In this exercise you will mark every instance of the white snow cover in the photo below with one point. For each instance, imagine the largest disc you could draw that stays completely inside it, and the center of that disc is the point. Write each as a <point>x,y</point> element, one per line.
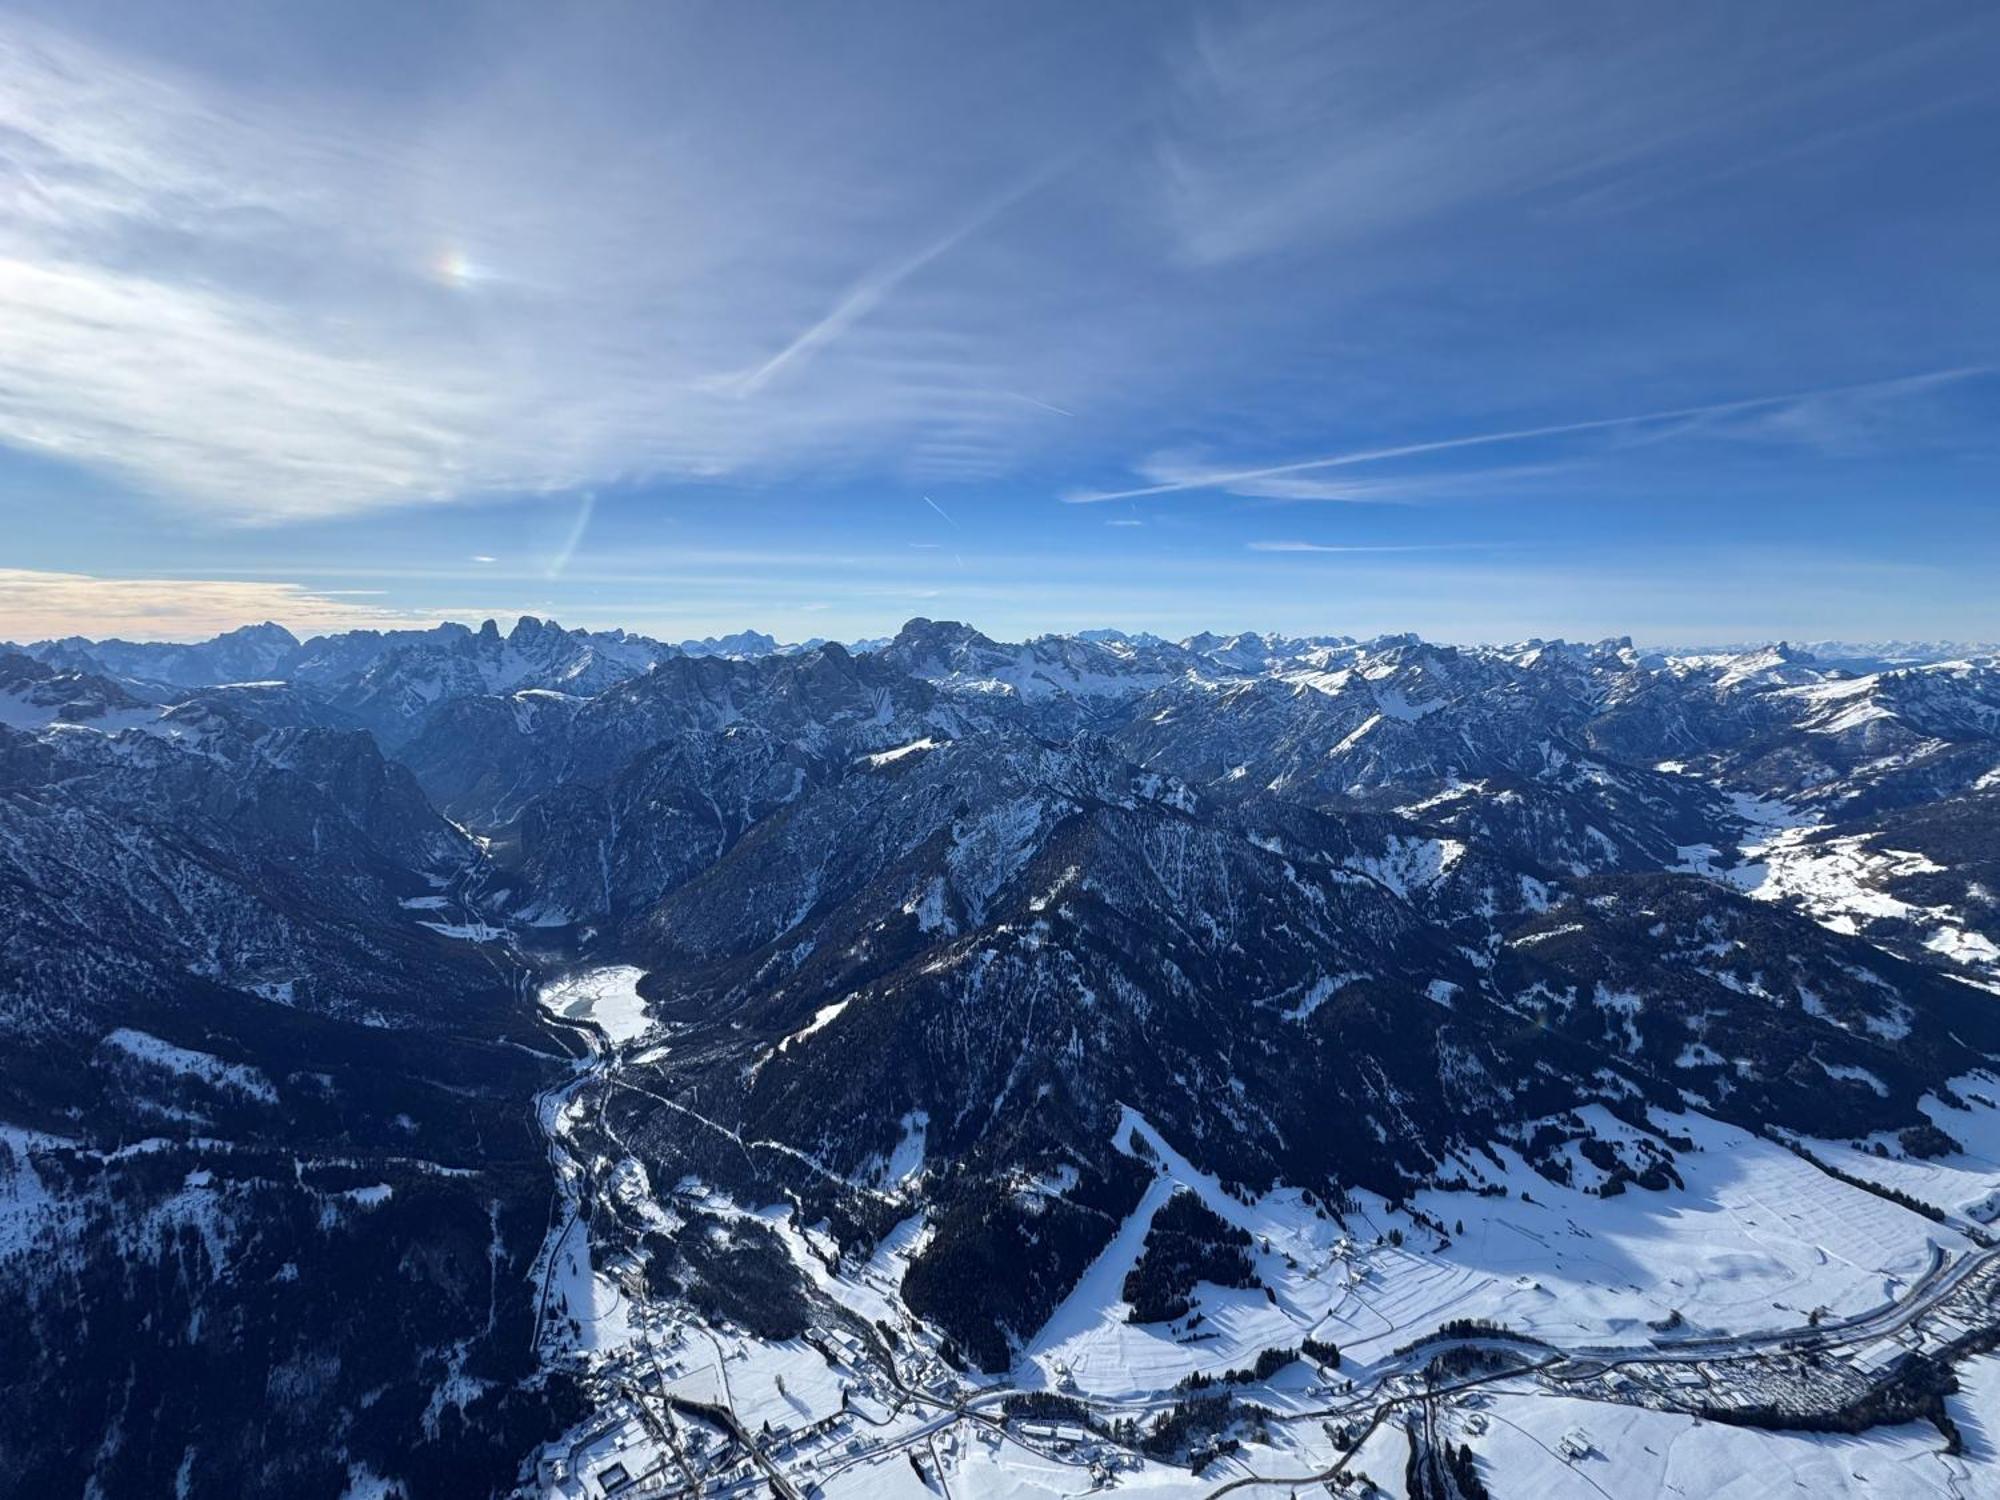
<point>1407,864</point>
<point>1848,1073</point>
<point>1635,1452</point>
<point>150,1050</point>
<point>470,932</point>
<point>607,998</point>
<point>822,1017</point>
<point>1759,1237</point>
<point>890,757</point>
<point>1965,1182</point>
<point>1322,990</point>
<point>1839,881</point>
<point>25,710</point>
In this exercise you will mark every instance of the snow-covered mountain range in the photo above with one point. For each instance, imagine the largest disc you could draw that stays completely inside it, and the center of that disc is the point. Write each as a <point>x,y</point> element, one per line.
<point>924,925</point>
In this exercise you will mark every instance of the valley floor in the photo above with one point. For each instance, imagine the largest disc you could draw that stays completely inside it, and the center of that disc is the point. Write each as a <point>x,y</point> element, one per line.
<point>1620,1340</point>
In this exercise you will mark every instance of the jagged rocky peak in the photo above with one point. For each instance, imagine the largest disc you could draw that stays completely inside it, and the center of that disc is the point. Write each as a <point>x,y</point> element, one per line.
<point>1611,651</point>
<point>268,636</point>
<point>830,679</point>
<point>34,694</point>
<point>247,654</point>
<point>741,643</point>
<point>941,644</point>
<point>1108,636</point>
<point>1777,665</point>
<point>530,631</point>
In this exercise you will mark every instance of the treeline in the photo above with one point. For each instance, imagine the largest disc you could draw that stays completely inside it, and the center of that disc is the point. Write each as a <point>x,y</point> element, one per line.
<point>1463,1359</point>
<point>1468,1328</point>
<point>1267,1364</point>
<point>1187,1243</point>
<point>138,1324</point>
<point>1192,1421</point>
<point>1926,1142</point>
<point>1321,1353</point>
<point>994,1265</point>
<point>1915,1392</point>
<point>734,1271</point>
<point>1422,1481</point>
<point>1894,1195</point>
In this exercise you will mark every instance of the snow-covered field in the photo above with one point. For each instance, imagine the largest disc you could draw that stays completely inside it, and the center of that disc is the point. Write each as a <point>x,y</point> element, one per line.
<point>585,1307</point>
<point>607,998</point>
<point>1964,1182</point>
<point>1841,882</point>
<point>1758,1239</point>
<point>1635,1451</point>
<point>978,1470</point>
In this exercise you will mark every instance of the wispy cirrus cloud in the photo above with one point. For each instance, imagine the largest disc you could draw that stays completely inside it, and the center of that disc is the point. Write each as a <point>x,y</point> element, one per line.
<point>1298,126</point>
<point>281,309</point>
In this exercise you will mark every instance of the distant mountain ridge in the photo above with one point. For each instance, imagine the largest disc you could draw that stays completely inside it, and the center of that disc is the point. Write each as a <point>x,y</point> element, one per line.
<point>269,650</point>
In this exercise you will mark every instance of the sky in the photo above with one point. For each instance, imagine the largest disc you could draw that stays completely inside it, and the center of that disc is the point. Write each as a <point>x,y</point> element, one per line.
<point>1679,322</point>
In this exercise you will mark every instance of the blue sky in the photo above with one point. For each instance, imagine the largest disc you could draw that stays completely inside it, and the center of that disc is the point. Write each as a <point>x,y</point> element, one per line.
<point>1484,321</point>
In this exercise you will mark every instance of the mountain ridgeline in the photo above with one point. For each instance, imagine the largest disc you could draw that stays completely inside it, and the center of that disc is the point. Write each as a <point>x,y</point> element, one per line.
<point>925,922</point>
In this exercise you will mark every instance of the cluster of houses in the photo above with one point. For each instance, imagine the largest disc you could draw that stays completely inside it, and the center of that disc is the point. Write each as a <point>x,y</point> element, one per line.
<point>662,1401</point>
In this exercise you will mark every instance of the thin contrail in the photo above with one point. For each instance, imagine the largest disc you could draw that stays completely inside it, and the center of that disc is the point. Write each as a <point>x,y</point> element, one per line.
<point>559,564</point>
<point>1044,405</point>
<point>1361,547</point>
<point>1521,434</point>
<point>865,295</point>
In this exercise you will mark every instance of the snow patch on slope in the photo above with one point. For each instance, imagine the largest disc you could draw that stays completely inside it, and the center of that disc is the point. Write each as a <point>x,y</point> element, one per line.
<point>145,1048</point>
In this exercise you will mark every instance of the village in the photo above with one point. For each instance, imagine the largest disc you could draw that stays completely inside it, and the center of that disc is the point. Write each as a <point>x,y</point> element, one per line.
<point>668,1419</point>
